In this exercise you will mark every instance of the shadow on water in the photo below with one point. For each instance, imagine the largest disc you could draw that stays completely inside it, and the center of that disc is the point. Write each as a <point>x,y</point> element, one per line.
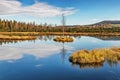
<point>85,66</point>
<point>96,65</point>
<point>107,38</point>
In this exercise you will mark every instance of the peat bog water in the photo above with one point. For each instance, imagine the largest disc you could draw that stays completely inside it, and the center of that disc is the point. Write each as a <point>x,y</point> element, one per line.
<point>44,59</point>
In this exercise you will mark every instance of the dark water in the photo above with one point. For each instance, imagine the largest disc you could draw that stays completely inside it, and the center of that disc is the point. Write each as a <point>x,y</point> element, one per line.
<point>44,59</point>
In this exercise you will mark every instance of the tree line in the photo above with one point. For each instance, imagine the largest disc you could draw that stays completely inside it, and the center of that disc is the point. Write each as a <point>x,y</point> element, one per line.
<point>14,26</point>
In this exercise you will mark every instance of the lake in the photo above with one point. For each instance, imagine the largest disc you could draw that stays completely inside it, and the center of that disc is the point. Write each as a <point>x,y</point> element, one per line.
<point>44,59</point>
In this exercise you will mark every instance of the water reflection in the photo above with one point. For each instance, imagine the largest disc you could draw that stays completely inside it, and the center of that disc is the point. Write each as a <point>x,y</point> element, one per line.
<point>12,41</point>
<point>12,52</point>
<point>44,57</point>
<point>112,64</point>
<point>51,37</point>
<point>86,66</point>
<point>41,37</point>
<point>96,66</point>
<point>63,53</point>
<point>107,37</point>
<point>43,50</point>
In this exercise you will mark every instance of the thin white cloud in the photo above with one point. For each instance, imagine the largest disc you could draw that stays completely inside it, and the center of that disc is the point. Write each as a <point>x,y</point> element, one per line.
<point>38,9</point>
<point>95,19</point>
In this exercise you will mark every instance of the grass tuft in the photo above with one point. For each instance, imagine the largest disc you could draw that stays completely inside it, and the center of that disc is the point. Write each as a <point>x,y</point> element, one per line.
<point>96,56</point>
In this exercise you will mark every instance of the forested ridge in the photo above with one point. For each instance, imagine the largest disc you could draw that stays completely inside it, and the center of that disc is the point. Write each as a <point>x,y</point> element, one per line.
<point>14,26</point>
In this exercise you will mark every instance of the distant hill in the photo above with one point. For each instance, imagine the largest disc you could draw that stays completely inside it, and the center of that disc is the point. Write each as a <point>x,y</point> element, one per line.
<point>108,22</point>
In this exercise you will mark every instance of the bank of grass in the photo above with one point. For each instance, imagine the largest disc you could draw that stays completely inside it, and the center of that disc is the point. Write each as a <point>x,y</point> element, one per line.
<point>60,33</point>
<point>96,56</point>
<point>20,33</point>
<point>12,37</point>
<point>31,35</point>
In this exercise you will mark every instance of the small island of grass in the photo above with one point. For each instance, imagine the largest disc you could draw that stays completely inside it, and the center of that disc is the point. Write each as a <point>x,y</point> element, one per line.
<point>96,56</point>
<point>63,39</point>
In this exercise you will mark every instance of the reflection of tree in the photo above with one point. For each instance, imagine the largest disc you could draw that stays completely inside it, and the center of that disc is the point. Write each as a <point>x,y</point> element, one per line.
<point>45,37</point>
<point>63,53</point>
<point>41,37</point>
<point>7,41</point>
<point>12,41</point>
<point>50,37</point>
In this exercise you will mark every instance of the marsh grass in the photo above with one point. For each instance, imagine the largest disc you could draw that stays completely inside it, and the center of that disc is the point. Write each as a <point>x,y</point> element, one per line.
<point>63,39</point>
<point>96,56</point>
<point>12,37</point>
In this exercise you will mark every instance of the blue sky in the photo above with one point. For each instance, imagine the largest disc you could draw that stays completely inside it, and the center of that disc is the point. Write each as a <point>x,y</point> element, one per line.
<point>78,12</point>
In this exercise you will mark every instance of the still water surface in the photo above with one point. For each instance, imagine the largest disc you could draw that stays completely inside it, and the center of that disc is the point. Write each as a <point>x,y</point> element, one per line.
<point>44,59</point>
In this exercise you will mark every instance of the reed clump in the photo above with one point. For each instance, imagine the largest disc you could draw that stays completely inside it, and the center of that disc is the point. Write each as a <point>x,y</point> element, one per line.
<point>96,56</point>
<point>63,39</point>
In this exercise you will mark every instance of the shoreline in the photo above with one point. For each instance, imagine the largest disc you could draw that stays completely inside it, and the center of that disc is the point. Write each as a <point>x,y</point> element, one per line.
<point>32,35</point>
<point>12,37</point>
<point>59,33</point>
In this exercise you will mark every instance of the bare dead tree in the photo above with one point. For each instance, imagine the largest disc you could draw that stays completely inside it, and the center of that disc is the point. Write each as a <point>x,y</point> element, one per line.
<point>63,22</point>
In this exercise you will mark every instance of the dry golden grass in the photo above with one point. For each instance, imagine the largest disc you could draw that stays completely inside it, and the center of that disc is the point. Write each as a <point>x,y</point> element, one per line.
<point>96,56</point>
<point>20,33</point>
<point>60,33</point>
<point>10,37</point>
<point>63,39</point>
